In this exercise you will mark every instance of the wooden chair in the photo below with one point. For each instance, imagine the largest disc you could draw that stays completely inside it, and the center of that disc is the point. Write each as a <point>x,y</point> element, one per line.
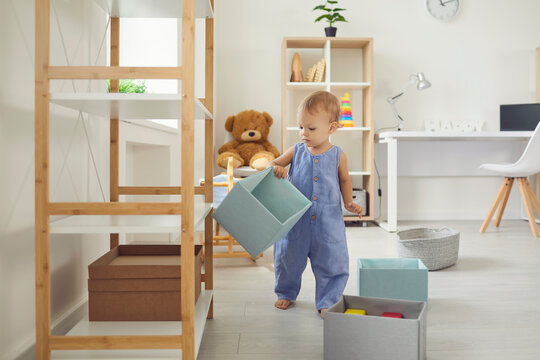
<point>527,165</point>
<point>227,240</point>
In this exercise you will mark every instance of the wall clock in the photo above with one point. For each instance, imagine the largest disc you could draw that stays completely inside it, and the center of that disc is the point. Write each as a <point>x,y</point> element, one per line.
<point>442,10</point>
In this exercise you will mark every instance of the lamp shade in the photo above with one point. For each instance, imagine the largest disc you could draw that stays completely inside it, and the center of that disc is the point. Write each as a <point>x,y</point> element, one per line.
<point>422,82</point>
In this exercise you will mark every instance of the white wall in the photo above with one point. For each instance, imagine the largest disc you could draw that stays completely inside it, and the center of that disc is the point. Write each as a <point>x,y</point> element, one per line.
<point>73,176</point>
<point>479,60</point>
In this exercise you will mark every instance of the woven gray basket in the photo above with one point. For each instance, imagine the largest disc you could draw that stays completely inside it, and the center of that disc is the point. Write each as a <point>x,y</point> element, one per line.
<point>437,248</point>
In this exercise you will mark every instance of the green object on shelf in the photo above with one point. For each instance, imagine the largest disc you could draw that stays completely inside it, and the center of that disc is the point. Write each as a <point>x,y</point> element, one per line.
<point>129,86</point>
<point>332,14</point>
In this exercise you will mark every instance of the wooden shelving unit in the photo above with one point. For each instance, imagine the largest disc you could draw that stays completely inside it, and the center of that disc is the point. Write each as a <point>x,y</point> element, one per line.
<point>349,68</point>
<point>116,217</point>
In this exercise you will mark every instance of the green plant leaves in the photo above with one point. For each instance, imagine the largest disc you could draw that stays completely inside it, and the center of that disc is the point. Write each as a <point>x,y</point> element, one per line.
<point>338,17</point>
<point>325,16</point>
<point>129,86</point>
<point>320,7</point>
<point>332,15</point>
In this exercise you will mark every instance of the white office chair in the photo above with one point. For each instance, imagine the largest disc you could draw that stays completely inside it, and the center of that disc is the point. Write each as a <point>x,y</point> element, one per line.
<point>527,165</point>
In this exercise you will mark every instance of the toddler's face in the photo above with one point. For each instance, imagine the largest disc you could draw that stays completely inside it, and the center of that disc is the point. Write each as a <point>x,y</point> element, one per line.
<point>316,128</point>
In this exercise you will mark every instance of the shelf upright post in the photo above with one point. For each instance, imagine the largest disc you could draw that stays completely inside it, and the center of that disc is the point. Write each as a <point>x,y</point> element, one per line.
<point>209,159</point>
<point>41,115</point>
<point>187,191</point>
<point>367,118</point>
<point>284,73</point>
<point>327,50</point>
<point>114,125</point>
<point>538,101</point>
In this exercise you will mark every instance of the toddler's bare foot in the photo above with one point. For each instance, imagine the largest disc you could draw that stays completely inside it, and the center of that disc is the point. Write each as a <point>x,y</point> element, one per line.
<point>322,313</point>
<point>282,304</point>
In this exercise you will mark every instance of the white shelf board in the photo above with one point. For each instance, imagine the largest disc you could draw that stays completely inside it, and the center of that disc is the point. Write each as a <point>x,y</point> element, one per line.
<point>153,8</point>
<point>349,85</point>
<point>96,328</point>
<point>304,85</point>
<point>129,224</point>
<point>359,173</point>
<point>356,128</point>
<point>128,106</point>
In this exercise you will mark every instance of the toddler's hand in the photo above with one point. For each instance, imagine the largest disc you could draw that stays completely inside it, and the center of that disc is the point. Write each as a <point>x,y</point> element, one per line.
<point>355,208</point>
<point>280,172</point>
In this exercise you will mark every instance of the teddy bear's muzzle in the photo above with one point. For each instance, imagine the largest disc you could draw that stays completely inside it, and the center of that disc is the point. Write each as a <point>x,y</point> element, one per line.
<point>251,135</point>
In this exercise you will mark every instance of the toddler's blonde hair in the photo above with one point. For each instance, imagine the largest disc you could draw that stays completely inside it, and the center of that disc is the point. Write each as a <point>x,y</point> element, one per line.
<point>321,101</point>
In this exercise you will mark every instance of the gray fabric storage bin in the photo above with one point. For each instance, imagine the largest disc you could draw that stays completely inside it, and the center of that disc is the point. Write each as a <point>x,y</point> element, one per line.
<point>372,337</point>
<point>437,248</point>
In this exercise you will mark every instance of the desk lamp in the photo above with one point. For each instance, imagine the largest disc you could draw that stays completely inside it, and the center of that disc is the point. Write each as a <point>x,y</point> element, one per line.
<point>421,84</point>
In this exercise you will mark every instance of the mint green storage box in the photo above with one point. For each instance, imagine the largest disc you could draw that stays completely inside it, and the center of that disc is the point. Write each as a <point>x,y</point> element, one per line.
<point>405,279</point>
<point>260,210</point>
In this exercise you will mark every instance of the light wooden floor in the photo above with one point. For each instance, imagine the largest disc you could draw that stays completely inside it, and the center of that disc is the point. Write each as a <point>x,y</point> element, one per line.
<point>485,307</point>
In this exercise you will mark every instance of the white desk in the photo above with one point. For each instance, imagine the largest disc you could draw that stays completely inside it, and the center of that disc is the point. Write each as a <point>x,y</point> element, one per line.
<point>391,138</point>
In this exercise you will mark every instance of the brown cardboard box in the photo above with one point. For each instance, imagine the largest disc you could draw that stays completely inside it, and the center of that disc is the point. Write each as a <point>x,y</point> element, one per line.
<point>139,283</point>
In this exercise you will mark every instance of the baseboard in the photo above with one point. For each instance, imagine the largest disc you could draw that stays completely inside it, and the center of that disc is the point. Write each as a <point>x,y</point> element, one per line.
<point>61,325</point>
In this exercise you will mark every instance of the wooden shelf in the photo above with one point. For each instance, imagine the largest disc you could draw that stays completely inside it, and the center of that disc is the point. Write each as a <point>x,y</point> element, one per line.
<point>127,224</point>
<point>355,218</point>
<point>128,106</point>
<point>349,85</point>
<point>304,85</point>
<point>313,86</point>
<point>153,9</point>
<point>354,61</point>
<point>93,328</point>
<point>133,108</point>
<point>356,128</point>
<point>335,43</point>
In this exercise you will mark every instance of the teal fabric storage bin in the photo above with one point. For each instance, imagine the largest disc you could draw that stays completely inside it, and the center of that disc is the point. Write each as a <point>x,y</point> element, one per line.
<point>405,279</point>
<point>260,210</point>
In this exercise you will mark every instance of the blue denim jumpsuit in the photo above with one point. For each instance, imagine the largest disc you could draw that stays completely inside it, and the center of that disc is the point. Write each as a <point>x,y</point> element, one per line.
<point>319,234</point>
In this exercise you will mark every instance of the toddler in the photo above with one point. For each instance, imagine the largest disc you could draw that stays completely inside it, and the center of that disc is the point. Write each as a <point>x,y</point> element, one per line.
<point>319,170</point>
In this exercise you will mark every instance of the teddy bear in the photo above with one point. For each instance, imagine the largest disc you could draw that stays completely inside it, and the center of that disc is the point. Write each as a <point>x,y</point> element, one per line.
<point>250,146</point>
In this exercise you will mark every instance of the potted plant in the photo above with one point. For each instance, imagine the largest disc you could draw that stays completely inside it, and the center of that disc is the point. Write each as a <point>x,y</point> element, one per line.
<point>332,15</point>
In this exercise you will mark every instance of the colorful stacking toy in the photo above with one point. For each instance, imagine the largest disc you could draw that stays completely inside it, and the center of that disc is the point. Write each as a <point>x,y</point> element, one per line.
<point>345,117</point>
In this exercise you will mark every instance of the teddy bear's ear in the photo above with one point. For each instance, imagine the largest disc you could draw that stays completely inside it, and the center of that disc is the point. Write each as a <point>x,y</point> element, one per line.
<point>229,123</point>
<point>268,118</point>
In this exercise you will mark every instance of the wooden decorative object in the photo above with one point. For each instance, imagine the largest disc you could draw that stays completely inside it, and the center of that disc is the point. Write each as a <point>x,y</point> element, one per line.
<point>319,73</point>
<point>311,73</point>
<point>296,66</point>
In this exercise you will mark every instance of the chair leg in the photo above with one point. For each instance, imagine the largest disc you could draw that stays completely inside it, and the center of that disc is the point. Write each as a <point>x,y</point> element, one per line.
<point>508,188</point>
<point>525,196</point>
<point>533,197</point>
<point>495,204</point>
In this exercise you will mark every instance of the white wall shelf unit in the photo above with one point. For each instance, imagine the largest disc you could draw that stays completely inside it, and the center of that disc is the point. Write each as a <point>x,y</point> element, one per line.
<point>349,68</point>
<point>129,106</point>
<point>115,217</point>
